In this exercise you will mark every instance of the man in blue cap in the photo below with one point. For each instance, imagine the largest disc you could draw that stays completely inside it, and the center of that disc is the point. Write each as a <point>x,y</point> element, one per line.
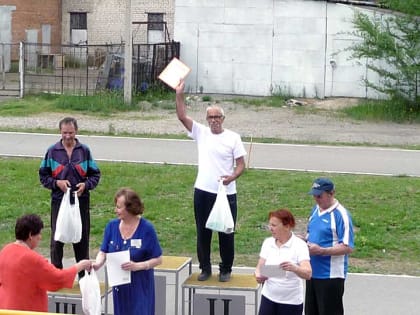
<point>330,240</point>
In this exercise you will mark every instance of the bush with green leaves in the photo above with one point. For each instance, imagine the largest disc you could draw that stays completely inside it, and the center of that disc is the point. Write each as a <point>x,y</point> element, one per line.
<point>391,45</point>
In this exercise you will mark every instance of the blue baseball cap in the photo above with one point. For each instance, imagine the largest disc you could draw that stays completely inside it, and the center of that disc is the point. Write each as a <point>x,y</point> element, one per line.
<point>320,185</point>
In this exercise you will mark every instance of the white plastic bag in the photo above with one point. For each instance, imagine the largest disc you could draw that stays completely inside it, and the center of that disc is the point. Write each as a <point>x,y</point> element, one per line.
<point>68,228</point>
<point>220,218</point>
<point>91,293</point>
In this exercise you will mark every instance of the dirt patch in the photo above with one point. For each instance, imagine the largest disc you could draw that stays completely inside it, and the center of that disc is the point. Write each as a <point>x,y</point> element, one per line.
<point>333,103</point>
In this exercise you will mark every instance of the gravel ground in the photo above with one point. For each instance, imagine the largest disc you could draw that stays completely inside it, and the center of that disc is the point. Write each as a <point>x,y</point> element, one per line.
<point>287,123</point>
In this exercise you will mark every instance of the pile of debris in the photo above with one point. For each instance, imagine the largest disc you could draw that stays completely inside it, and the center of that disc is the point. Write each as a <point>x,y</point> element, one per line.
<point>292,102</point>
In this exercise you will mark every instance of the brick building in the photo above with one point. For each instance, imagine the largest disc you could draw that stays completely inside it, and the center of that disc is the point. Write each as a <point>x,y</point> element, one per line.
<point>103,22</point>
<point>35,21</point>
<point>94,22</point>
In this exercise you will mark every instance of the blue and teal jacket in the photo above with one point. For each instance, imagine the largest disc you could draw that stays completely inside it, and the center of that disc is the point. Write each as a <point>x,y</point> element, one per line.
<point>81,167</point>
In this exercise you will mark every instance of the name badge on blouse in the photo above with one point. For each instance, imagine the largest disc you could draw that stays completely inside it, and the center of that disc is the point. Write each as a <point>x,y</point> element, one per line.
<point>136,242</point>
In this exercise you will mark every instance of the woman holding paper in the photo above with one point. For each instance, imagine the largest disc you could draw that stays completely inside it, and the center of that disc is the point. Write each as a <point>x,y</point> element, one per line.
<point>283,263</point>
<point>25,275</point>
<point>135,236</point>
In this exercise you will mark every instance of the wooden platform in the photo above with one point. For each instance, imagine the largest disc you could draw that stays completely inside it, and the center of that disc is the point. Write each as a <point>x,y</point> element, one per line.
<point>69,300</point>
<point>237,282</point>
<point>173,263</point>
<point>174,270</point>
<point>168,279</point>
<point>238,285</point>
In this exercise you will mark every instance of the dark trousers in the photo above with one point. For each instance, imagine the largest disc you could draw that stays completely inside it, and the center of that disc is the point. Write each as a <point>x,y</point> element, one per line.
<point>324,297</point>
<point>268,307</point>
<point>81,249</point>
<point>203,203</point>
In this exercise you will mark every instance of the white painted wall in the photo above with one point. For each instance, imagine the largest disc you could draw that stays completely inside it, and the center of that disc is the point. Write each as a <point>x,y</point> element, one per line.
<point>262,47</point>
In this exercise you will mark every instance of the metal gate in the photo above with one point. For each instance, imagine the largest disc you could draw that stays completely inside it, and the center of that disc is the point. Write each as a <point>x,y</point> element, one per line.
<point>71,69</point>
<point>31,68</point>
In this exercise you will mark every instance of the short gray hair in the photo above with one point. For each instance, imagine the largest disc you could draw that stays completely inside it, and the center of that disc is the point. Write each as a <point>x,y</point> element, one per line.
<point>221,111</point>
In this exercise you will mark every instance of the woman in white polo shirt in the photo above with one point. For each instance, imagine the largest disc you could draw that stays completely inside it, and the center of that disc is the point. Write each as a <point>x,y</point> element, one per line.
<point>283,263</point>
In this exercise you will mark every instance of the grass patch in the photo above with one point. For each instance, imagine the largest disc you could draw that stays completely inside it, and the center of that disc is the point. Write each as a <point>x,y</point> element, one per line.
<point>396,111</point>
<point>269,101</point>
<point>30,105</point>
<point>384,209</point>
<point>103,103</point>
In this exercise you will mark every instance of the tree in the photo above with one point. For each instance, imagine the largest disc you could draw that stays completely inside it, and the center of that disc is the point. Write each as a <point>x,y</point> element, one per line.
<point>411,7</point>
<point>391,44</point>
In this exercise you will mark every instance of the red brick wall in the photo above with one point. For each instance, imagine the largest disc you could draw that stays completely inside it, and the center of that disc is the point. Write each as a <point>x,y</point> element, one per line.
<point>32,14</point>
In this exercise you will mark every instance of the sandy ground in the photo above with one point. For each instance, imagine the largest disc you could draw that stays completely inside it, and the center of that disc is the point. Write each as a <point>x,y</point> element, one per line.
<point>288,123</point>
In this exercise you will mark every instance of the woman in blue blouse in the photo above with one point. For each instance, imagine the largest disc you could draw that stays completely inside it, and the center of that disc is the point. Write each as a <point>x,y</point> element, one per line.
<point>130,231</point>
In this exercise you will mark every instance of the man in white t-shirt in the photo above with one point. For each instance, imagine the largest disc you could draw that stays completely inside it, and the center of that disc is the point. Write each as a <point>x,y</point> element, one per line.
<point>220,157</point>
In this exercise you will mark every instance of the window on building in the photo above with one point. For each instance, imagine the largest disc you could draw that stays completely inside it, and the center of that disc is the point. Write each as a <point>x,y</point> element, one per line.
<point>78,21</point>
<point>78,28</point>
<point>155,21</point>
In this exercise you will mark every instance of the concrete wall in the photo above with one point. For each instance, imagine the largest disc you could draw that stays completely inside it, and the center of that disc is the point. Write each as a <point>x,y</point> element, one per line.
<point>268,46</point>
<point>106,19</point>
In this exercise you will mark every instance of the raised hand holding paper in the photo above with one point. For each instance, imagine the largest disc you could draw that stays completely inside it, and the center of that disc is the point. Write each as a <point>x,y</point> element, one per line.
<point>174,72</point>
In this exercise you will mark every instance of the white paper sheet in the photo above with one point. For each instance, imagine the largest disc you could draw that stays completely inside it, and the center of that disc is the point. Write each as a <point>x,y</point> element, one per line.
<point>174,72</point>
<point>272,271</point>
<point>117,276</point>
